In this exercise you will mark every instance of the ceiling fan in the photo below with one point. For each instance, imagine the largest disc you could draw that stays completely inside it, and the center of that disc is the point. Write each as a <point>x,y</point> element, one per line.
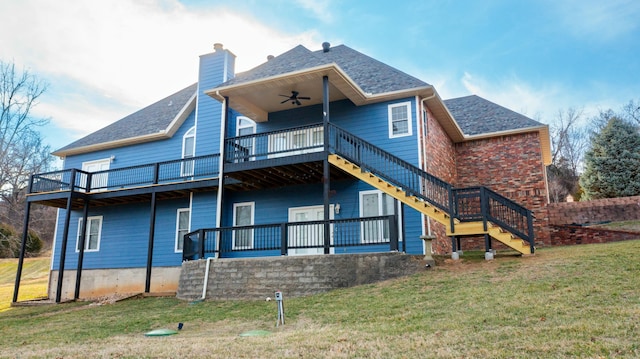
<point>294,98</point>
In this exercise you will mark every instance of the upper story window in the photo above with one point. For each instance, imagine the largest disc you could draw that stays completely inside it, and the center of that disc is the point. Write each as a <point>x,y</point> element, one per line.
<point>245,126</point>
<point>188,151</point>
<point>399,119</point>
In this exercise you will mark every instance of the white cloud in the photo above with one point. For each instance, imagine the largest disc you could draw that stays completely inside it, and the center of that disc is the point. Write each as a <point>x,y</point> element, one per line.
<point>130,53</point>
<point>321,9</point>
<point>598,20</point>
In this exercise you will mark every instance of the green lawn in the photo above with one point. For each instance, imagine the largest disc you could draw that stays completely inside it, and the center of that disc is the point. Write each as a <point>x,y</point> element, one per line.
<point>35,277</point>
<point>564,302</point>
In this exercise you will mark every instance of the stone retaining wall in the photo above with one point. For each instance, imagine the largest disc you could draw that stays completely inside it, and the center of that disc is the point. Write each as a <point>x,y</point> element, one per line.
<point>258,278</point>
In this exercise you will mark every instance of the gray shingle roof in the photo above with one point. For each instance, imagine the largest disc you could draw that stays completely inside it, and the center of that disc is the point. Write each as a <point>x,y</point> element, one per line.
<point>371,75</point>
<point>476,116</point>
<point>147,121</point>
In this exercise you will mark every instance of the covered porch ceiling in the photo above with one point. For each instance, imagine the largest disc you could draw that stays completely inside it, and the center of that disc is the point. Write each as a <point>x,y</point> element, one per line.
<point>257,98</point>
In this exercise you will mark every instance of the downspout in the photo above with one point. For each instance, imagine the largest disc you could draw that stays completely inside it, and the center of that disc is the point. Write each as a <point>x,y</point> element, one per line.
<point>223,126</point>
<point>424,159</point>
<point>206,279</point>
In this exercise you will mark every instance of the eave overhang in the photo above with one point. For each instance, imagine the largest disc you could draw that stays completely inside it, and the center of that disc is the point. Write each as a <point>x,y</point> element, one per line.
<point>257,98</point>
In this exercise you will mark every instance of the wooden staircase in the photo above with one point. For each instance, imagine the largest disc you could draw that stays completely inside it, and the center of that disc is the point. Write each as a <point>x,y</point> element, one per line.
<point>459,228</point>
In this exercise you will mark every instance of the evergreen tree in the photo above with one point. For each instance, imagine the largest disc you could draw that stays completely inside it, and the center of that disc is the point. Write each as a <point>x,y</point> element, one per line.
<point>612,163</point>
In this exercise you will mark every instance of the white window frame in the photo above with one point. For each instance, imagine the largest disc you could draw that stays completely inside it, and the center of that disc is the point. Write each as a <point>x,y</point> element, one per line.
<point>292,232</point>
<point>86,239</point>
<point>252,125</point>
<point>180,238</point>
<point>187,167</point>
<point>397,211</point>
<point>252,205</point>
<point>288,142</point>
<point>99,180</point>
<point>390,108</point>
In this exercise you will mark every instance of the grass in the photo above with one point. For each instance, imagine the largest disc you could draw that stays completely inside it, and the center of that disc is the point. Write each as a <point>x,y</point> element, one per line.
<point>633,226</point>
<point>35,278</point>
<point>564,302</point>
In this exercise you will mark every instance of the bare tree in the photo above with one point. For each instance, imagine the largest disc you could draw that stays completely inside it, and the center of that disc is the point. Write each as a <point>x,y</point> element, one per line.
<point>569,141</point>
<point>22,151</point>
<point>631,112</point>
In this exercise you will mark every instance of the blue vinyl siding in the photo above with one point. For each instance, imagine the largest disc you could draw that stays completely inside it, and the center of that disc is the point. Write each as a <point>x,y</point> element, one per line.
<point>125,237</point>
<point>368,122</point>
<point>211,74</point>
<point>272,206</point>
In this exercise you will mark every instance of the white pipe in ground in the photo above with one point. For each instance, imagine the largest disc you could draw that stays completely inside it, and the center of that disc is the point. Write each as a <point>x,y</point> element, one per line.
<point>206,279</point>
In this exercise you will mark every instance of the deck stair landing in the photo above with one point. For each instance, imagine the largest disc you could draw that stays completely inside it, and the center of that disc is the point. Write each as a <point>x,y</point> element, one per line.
<point>454,227</point>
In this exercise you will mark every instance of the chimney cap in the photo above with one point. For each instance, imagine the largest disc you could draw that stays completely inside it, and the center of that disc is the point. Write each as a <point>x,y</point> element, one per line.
<point>217,46</point>
<point>326,46</point>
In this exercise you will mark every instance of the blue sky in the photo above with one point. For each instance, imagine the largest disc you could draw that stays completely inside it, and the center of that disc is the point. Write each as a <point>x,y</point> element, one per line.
<point>106,59</point>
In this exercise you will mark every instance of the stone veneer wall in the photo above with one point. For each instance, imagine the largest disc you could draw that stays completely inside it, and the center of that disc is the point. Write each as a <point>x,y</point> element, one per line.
<point>258,278</point>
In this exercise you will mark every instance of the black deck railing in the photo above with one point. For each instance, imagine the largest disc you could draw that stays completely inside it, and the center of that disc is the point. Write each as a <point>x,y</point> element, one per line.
<point>187,169</point>
<point>280,238</point>
<point>273,144</point>
<point>463,204</point>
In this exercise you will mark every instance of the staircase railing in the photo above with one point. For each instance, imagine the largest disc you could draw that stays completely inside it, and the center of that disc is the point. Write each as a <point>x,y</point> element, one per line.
<point>395,170</point>
<point>463,204</point>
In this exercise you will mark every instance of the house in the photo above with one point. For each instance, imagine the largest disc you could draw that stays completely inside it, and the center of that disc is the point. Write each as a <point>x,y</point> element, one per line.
<point>311,152</point>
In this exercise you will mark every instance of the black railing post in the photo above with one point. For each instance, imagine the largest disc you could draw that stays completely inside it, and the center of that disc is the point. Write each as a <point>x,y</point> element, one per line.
<point>484,206</point>
<point>393,232</point>
<point>452,210</point>
<point>156,173</point>
<point>201,240</point>
<point>531,234</point>
<point>283,239</point>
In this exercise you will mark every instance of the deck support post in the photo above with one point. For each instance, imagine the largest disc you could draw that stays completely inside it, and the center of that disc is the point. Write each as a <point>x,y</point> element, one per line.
<point>65,236</point>
<point>488,252</point>
<point>326,170</point>
<point>454,248</point>
<point>83,238</point>
<point>152,229</point>
<point>23,247</point>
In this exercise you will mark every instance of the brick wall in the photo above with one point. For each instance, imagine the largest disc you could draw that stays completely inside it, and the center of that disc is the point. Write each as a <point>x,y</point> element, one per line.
<point>565,217</point>
<point>563,235</point>
<point>440,154</point>
<point>510,165</point>
<point>599,210</point>
<point>258,278</point>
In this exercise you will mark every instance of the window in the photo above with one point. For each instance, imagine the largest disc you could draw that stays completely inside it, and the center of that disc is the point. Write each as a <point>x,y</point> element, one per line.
<point>373,204</point>
<point>92,236</point>
<point>188,151</point>
<point>246,126</point>
<point>243,214</point>
<point>296,142</point>
<point>182,226</point>
<point>400,119</point>
<point>99,180</point>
